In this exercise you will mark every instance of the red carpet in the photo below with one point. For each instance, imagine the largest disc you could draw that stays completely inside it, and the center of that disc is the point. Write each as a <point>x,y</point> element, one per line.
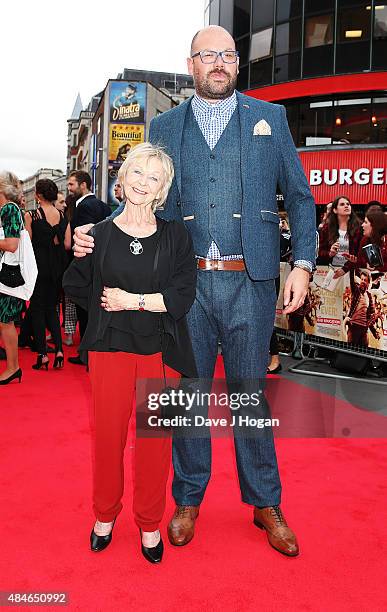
<point>334,497</point>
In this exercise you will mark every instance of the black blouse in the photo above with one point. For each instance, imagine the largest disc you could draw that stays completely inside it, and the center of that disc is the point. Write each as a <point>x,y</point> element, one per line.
<point>48,245</point>
<point>174,278</point>
<point>130,331</point>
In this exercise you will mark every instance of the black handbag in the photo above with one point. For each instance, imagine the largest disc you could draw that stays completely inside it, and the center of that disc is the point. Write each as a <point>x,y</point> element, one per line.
<point>11,276</point>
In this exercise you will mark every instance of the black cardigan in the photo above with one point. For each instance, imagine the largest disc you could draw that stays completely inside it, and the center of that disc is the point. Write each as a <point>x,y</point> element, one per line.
<point>175,279</point>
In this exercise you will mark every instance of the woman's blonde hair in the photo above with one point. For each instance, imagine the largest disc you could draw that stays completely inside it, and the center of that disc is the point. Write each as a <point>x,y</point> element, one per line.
<point>10,186</point>
<point>149,151</point>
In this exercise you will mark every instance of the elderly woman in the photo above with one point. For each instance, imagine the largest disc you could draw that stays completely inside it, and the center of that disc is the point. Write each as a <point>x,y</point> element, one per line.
<point>138,285</point>
<point>10,307</point>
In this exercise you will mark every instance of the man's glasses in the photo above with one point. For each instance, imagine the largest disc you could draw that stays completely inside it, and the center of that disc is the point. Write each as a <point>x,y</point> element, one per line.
<point>209,57</point>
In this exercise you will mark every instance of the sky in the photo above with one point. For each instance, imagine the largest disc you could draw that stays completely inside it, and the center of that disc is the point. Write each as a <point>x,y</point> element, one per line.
<point>53,50</point>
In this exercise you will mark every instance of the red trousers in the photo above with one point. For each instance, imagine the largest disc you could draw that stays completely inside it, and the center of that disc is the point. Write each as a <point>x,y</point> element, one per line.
<point>113,380</point>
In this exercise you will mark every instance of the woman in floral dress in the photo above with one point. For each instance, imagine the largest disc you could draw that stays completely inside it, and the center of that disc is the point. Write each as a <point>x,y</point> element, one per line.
<point>10,307</point>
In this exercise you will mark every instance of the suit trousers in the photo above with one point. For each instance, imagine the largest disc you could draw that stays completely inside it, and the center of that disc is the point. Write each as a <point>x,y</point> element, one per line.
<point>239,312</point>
<point>113,381</point>
<point>43,312</point>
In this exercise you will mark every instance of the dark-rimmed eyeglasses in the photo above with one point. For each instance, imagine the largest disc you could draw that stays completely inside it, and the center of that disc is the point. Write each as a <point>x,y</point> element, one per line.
<point>209,57</point>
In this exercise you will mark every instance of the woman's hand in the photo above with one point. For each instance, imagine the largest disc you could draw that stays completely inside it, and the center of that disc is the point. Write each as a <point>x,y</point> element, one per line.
<point>339,272</point>
<point>114,299</point>
<point>349,257</point>
<point>334,248</point>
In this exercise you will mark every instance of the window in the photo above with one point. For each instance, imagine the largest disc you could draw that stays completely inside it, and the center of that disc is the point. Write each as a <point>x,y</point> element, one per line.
<point>214,11</point>
<point>318,61</point>
<point>243,46</point>
<point>243,78</point>
<point>380,21</point>
<point>206,16</point>
<point>353,38</point>
<point>315,124</point>
<point>316,6</point>
<point>319,31</point>
<point>263,14</point>
<point>287,9</point>
<point>354,24</point>
<point>288,37</point>
<point>379,121</point>
<point>292,116</point>
<point>352,121</point>
<point>287,67</point>
<point>352,57</point>
<point>241,17</point>
<point>379,58</point>
<point>261,45</point>
<point>261,73</point>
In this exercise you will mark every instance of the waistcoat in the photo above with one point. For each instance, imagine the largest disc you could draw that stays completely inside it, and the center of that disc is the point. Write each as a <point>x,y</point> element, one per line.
<point>211,187</point>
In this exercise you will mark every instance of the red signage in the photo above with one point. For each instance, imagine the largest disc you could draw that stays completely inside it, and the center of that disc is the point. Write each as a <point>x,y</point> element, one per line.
<point>360,175</point>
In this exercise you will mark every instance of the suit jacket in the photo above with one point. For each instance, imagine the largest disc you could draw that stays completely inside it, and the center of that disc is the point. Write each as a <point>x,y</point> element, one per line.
<point>175,279</point>
<point>267,161</point>
<point>90,210</point>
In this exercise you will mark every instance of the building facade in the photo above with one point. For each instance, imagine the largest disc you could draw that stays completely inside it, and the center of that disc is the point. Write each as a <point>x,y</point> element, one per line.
<point>44,173</point>
<point>117,119</point>
<point>326,62</point>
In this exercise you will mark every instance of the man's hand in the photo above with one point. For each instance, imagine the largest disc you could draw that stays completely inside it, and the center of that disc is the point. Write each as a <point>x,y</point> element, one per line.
<point>114,299</point>
<point>296,288</point>
<point>83,243</point>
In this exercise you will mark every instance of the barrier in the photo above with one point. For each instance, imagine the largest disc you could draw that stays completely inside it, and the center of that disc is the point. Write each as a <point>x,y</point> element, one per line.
<point>332,312</point>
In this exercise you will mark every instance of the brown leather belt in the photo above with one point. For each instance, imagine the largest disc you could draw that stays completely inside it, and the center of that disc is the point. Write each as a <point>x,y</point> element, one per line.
<point>234,265</point>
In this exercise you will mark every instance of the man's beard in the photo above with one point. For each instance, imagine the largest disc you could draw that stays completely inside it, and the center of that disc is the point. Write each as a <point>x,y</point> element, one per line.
<point>214,90</point>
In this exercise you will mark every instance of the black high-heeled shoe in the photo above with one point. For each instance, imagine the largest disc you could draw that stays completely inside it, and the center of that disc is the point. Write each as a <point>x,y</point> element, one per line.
<point>154,554</point>
<point>17,374</point>
<point>39,365</point>
<point>98,543</point>
<point>275,370</point>
<point>58,362</point>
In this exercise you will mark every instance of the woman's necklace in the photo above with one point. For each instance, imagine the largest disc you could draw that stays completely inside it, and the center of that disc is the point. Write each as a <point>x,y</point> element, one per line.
<point>136,247</point>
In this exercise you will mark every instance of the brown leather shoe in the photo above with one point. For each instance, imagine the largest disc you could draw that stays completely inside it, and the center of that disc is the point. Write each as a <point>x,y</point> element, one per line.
<point>181,529</point>
<point>280,536</point>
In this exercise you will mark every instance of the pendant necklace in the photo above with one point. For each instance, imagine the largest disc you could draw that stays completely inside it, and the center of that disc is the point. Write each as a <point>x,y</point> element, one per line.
<point>136,247</point>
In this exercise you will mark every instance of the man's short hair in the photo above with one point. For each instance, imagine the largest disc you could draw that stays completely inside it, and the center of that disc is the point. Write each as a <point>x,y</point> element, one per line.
<point>82,177</point>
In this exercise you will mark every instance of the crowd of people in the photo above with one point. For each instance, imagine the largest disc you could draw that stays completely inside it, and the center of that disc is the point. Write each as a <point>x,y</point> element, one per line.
<point>344,237</point>
<point>50,226</point>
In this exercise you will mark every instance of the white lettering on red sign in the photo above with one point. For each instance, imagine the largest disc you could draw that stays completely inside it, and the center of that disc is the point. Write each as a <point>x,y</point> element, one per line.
<point>346,176</point>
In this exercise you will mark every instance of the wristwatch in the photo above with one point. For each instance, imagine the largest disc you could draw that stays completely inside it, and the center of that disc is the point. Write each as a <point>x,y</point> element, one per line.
<point>304,265</point>
<point>141,301</point>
